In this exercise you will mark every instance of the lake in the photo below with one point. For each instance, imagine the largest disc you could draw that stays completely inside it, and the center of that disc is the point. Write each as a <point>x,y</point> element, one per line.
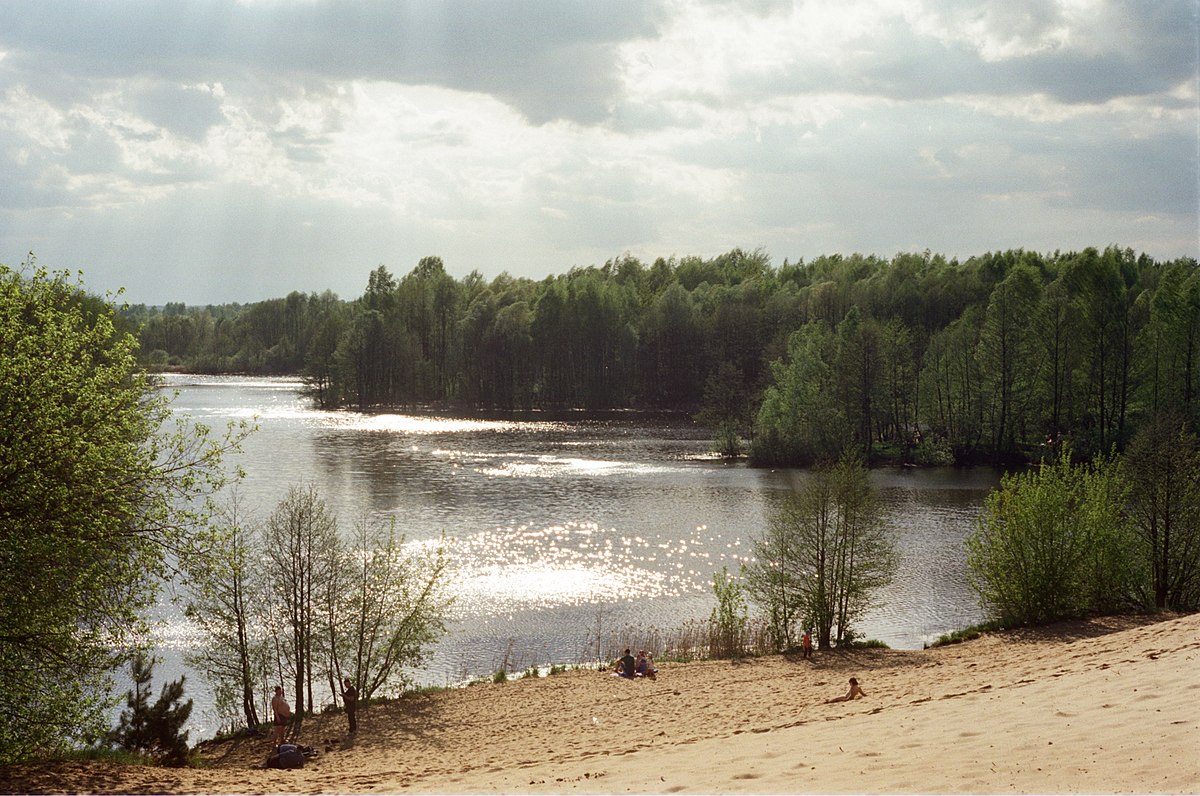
<point>561,526</point>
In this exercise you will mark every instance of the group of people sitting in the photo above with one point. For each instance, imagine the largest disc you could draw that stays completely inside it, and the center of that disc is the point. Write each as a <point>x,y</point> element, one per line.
<point>631,667</point>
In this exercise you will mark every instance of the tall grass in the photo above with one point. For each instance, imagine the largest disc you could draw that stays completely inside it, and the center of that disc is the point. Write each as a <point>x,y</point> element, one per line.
<point>695,640</point>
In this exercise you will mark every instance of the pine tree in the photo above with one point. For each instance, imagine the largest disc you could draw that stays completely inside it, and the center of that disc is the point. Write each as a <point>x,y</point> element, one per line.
<point>155,730</point>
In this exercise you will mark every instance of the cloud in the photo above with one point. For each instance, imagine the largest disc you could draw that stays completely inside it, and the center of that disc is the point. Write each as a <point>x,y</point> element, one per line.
<point>238,149</point>
<point>549,58</point>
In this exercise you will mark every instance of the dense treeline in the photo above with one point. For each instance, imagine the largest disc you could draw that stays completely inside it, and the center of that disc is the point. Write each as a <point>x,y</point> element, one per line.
<point>918,356</point>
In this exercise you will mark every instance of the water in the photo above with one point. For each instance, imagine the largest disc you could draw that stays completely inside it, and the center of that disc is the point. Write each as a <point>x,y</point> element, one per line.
<point>556,527</point>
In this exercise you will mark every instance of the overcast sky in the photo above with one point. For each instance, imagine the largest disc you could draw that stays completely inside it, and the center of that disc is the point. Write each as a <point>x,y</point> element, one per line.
<point>236,150</point>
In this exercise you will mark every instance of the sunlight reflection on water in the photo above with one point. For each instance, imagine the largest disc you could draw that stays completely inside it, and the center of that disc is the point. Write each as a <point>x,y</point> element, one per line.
<point>555,527</point>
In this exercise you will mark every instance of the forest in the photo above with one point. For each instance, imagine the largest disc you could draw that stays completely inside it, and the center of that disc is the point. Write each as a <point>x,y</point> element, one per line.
<point>1003,357</point>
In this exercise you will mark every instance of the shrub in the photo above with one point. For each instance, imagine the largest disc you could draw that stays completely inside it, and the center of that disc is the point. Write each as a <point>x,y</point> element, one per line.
<point>1053,543</point>
<point>728,617</point>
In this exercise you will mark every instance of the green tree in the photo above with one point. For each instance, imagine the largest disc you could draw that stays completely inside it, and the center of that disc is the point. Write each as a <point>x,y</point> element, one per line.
<point>950,383</point>
<point>800,421</point>
<point>1163,468</point>
<point>671,350</point>
<point>776,580</point>
<point>394,607</point>
<point>899,382</point>
<point>724,407</point>
<point>1006,352</point>
<point>1169,344</point>
<point>100,491</point>
<point>226,598</point>
<point>1058,350</point>
<point>327,327</point>
<point>857,379</point>
<point>824,555</point>
<point>1099,292</point>
<point>155,730</point>
<point>300,533</point>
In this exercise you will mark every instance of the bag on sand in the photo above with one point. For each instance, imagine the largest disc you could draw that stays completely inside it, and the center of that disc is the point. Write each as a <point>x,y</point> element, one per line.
<point>288,755</point>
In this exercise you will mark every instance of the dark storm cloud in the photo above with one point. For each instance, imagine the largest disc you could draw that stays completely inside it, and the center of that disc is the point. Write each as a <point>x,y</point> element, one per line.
<point>548,58</point>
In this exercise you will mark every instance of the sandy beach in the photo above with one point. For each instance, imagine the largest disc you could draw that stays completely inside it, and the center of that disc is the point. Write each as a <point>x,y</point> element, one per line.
<point>1107,706</point>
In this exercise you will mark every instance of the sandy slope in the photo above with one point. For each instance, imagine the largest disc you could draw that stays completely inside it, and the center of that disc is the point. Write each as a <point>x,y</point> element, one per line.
<point>1100,707</point>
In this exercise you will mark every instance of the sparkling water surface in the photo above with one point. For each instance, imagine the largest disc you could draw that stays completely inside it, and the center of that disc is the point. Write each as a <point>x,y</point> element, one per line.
<point>558,529</point>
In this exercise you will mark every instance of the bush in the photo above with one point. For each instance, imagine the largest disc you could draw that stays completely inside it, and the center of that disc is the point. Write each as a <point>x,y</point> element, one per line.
<point>1053,543</point>
<point>933,450</point>
<point>728,617</point>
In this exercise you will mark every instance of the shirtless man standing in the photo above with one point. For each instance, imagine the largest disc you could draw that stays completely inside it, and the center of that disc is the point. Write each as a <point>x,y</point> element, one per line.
<point>283,714</point>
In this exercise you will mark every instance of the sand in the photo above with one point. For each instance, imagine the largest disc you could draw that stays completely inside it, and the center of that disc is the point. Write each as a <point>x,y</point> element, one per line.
<point>1107,706</point>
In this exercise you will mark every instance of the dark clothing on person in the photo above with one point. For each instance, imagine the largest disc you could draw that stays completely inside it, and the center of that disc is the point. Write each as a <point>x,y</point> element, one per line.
<point>287,755</point>
<point>350,697</point>
<point>627,664</point>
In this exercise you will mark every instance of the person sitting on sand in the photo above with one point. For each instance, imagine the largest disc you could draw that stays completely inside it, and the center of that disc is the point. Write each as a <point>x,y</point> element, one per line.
<point>644,666</point>
<point>854,693</point>
<point>625,665</point>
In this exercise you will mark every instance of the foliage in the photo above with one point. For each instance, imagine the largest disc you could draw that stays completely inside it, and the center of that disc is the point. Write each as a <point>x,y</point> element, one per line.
<point>1163,472</point>
<point>100,492</point>
<point>227,600</point>
<point>871,644</point>
<point>823,555</point>
<point>290,596</point>
<point>799,420</point>
<point>393,607</point>
<point>729,617</point>
<point>1053,543</point>
<point>989,356</point>
<point>300,536</point>
<point>155,730</point>
<point>966,634</point>
<point>933,450</point>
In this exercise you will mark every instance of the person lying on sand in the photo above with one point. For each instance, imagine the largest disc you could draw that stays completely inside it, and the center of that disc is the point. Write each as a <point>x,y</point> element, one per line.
<point>854,693</point>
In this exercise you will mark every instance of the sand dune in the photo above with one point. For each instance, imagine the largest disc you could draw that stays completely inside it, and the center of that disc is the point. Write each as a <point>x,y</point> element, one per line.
<point>1108,706</point>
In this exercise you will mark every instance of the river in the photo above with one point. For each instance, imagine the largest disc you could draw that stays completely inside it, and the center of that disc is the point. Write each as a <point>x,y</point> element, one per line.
<point>558,528</point>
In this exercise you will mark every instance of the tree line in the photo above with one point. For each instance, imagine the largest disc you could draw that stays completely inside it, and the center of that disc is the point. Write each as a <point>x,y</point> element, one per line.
<point>917,357</point>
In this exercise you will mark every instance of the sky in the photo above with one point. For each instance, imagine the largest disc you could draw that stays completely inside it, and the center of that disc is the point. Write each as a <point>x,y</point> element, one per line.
<point>211,151</point>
